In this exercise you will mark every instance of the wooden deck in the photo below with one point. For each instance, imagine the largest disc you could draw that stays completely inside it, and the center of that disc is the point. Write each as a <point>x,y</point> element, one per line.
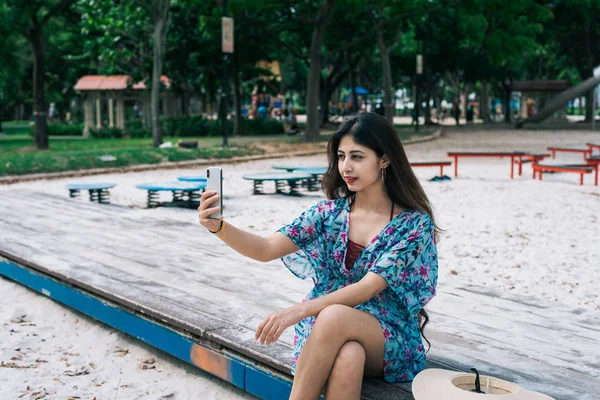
<point>180,275</point>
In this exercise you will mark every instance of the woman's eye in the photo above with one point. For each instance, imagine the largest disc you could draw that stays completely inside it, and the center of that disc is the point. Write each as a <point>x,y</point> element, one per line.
<point>357,157</point>
<point>340,156</point>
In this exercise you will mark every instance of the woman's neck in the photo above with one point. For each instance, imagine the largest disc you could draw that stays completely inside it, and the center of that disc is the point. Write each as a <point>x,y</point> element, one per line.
<point>373,199</point>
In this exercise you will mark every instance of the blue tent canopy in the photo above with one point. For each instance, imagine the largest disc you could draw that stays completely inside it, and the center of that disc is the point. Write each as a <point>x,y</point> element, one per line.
<point>360,90</point>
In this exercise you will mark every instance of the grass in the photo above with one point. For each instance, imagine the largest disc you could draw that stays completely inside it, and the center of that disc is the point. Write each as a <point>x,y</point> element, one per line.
<point>16,127</point>
<point>18,156</point>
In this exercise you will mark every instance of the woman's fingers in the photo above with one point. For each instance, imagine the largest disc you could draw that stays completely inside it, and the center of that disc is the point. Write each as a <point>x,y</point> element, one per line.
<point>269,335</point>
<point>278,334</point>
<point>260,328</point>
<point>263,335</point>
<point>207,201</point>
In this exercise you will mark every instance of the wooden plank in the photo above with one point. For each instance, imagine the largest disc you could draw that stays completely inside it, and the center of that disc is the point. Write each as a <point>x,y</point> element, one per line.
<point>170,261</point>
<point>560,383</point>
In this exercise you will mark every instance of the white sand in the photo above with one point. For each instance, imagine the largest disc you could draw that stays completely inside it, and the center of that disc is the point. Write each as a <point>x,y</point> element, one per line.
<point>528,237</point>
<point>55,353</point>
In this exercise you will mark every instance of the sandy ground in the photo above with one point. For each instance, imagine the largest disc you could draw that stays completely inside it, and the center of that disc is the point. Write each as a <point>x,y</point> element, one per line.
<point>536,238</point>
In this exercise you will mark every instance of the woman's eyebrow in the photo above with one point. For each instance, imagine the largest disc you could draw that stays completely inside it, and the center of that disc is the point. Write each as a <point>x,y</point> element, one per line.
<point>352,151</point>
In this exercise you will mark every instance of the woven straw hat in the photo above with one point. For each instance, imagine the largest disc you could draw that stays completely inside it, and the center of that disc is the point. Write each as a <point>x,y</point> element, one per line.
<point>441,384</point>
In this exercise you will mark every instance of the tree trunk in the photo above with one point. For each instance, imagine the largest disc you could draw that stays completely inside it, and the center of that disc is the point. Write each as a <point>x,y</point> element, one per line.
<point>36,41</point>
<point>325,96</point>
<point>354,108</point>
<point>160,19</point>
<point>238,127</point>
<point>314,74</point>
<point>387,75</point>
<point>589,106</point>
<point>484,106</point>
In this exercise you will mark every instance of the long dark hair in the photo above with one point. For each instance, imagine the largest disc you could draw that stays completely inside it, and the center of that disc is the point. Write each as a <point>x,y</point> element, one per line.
<point>402,186</point>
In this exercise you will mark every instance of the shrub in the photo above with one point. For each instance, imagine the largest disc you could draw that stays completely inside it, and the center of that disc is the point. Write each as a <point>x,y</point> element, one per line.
<point>106,133</point>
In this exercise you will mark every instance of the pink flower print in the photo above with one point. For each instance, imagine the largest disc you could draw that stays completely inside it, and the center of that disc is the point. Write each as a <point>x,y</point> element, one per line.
<point>386,333</point>
<point>408,356</point>
<point>295,341</point>
<point>384,313</point>
<point>414,236</point>
<point>389,230</point>
<point>314,254</point>
<point>424,271</point>
<point>338,256</point>
<point>320,207</point>
<point>420,348</point>
<point>311,230</point>
<point>404,276</point>
<point>294,232</point>
<point>343,236</point>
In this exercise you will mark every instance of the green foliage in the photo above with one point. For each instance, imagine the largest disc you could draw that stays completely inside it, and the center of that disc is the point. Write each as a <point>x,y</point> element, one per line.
<point>106,133</point>
<point>56,161</point>
<point>198,126</point>
<point>65,130</point>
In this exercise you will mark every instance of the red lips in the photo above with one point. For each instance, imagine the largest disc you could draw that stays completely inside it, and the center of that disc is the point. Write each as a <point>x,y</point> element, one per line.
<point>350,180</point>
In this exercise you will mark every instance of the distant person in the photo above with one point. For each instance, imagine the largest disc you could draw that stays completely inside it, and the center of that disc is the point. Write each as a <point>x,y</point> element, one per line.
<point>470,114</point>
<point>370,248</point>
<point>456,113</point>
<point>413,114</point>
<point>263,112</point>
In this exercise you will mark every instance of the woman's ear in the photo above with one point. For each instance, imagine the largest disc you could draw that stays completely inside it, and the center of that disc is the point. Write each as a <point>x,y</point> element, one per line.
<point>384,162</point>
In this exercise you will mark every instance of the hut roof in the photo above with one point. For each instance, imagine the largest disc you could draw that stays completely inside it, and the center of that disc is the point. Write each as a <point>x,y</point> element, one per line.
<point>113,82</point>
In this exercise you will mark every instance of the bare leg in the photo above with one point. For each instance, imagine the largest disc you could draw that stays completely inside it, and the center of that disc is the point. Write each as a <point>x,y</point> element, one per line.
<point>335,326</point>
<point>346,377</point>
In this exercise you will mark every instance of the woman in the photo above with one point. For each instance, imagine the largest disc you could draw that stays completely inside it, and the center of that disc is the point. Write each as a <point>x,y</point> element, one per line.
<point>371,253</point>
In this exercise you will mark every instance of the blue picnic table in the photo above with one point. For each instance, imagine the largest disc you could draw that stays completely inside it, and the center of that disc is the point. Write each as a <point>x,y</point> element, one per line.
<point>316,173</point>
<point>281,179</point>
<point>186,194</point>
<point>98,191</point>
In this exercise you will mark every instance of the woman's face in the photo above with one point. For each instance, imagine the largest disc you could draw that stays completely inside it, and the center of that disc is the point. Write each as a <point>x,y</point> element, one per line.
<point>359,166</point>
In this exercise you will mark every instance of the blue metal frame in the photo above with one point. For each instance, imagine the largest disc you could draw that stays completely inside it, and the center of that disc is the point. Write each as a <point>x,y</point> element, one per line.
<point>234,370</point>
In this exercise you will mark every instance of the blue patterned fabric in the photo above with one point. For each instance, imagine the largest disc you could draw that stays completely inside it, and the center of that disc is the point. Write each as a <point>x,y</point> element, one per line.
<point>404,253</point>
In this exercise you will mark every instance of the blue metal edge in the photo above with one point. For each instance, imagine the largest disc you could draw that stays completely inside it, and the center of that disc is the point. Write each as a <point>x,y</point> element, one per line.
<point>236,371</point>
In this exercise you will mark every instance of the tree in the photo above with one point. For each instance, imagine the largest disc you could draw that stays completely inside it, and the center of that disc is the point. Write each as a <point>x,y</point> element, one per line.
<point>120,34</point>
<point>30,19</point>
<point>577,31</point>
<point>159,15</point>
<point>314,74</point>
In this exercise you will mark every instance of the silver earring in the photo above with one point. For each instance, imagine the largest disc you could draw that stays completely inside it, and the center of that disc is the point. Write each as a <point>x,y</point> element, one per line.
<point>383,173</point>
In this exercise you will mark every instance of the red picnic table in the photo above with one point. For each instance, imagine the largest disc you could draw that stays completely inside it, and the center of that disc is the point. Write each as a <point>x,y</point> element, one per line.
<point>514,155</point>
<point>592,146</point>
<point>575,168</point>
<point>586,152</point>
<point>440,164</point>
<point>595,161</point>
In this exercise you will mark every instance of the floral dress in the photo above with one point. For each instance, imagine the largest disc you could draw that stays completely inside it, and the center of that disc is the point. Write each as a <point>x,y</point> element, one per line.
<point>404,253</point>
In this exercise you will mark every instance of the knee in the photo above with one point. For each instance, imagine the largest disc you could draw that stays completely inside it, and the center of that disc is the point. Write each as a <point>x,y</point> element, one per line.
<point>349,364</point>
<point>330,322</point>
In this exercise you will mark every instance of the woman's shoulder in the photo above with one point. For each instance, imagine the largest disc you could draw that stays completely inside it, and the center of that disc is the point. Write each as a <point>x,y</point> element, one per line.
<point>330,206</point>
<point>415,219</point>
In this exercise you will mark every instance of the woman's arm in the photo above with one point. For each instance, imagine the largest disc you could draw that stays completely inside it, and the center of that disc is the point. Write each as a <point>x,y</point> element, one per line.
<point>248,244</point>
<point>274,324</point>
<point>352,295</point>
<point>257,247</point>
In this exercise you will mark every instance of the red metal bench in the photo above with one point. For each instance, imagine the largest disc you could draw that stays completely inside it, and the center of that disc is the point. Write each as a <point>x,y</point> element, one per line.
<point>514,155</point>
<point>440,164</point>
<point>593,146</point>
<point>595,161</point>
<point>575,168</point>
<point>586,152</point>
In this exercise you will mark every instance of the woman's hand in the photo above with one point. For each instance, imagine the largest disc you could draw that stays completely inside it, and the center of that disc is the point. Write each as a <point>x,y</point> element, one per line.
<point>208,198</point>
<point>272,327</point>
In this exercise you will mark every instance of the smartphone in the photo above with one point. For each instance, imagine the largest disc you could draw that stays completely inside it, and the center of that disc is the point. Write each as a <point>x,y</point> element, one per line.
<point>214,181</point>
